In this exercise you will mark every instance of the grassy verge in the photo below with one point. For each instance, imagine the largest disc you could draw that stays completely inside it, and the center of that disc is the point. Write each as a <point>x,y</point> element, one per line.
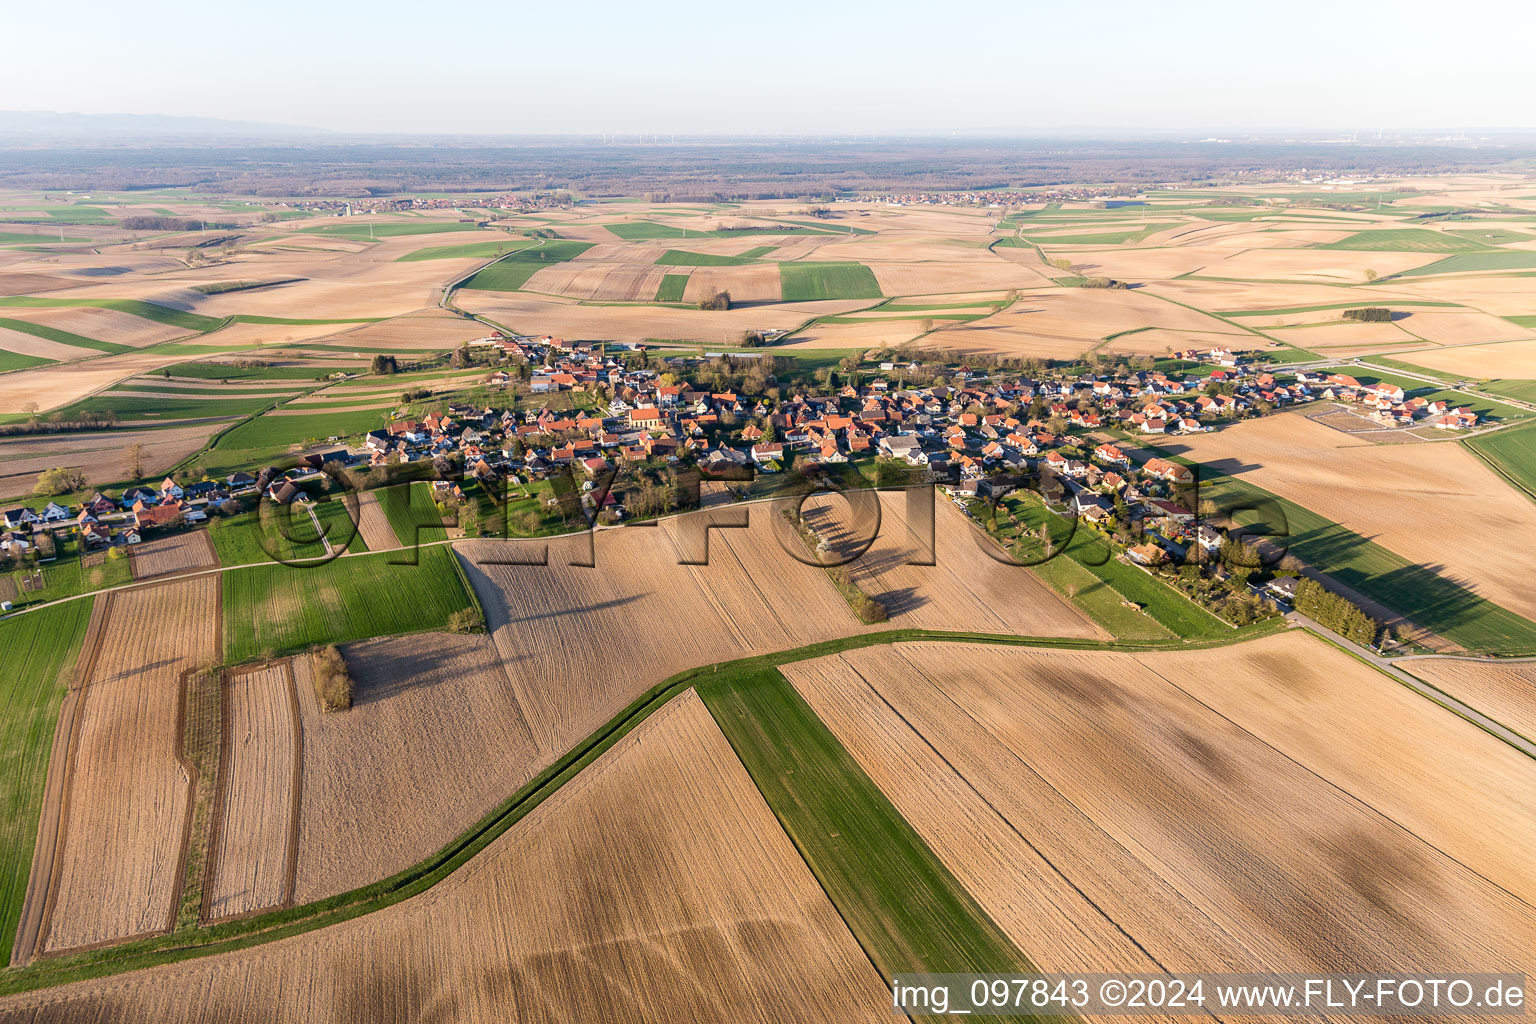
<point>909,913</point>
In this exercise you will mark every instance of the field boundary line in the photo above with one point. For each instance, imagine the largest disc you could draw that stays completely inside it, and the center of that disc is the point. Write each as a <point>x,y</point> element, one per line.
<point>220,800</point>
<point>178,886</point>
<point>291,869</point>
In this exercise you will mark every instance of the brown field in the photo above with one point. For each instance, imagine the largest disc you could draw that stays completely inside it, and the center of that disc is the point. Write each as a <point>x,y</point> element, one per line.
<point>874,334</point>
<point>1135,264</point>
<point>697,881</point>
<point>1505,692</point>
<point>628,252</point>
<point>965,588</point>
<point>1501,296</point>
<point>579,644</point>
<point>434,739</point>
<point>1093,799</point>
<point>27,282</point>
<point>600,281</point>
<point>53,386</point>
<point>1061,323</point>
<point>1227,296</point>
<point>928,278</point>
<point>1159,341</point>
<point>1329,265</point>
<point>566,319</point>
<point>180,552</point>
<point>758,283</point>
<point>428,329</point>
<point>1514,360</point>
<point>1403,497</point>
<point>1452,328</point>
<point>100,456</point>
<point>118,871</point>
<point>373,524</point>
<point>1344,333</point>
<point>252,856</point>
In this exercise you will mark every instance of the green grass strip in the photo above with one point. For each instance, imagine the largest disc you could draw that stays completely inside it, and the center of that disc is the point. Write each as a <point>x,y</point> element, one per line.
<point>671,288</point>
<point>909,913</point>
<point>135,307</point>
<point>683,258</point>
<point>62,337</point>
<point>38,650</point>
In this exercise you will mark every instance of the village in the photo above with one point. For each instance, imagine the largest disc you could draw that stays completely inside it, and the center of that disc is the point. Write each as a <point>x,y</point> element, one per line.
<point>603,434</point>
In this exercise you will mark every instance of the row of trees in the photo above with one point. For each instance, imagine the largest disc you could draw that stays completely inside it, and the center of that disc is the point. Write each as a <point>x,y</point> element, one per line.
<point>1339,614</point>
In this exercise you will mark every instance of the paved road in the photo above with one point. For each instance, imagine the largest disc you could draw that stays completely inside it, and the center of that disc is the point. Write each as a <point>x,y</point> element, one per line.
<point>1389,666</point>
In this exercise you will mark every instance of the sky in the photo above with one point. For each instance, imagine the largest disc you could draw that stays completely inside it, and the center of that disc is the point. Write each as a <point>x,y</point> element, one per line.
<point>694,67</point>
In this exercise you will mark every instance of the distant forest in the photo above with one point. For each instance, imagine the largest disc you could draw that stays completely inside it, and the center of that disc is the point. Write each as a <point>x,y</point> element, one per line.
<point>726,169</point>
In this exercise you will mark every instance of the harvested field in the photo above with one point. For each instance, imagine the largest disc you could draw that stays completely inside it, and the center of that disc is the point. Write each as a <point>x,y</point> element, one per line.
<point>1142,264</point>
<point>1451,328</point>
<point>53,386</point>
<point>1344,333</point>
<point>253,853</point>
<point>100,456</point>
<point>373,524</point>
<point>1437,505</point>
<point>1093,799</point>
<point>1505,692</point>
<point>1159,341</point>
<point>701,905</point>
<point>1337,266</point>
<point>930,278</point>
<point>1061,323</point>
<point>601,281</point>
<point>746,284</point>
<point>118,870</point>
<point>872,334</point>
<point>750,598</point>
<point>611,253</point>
<point>964,589</point>
<point>433,741</point>
<point>530,315</point>
<point>415,331</point>
<point>1511,360</point>
<point>180,552</point>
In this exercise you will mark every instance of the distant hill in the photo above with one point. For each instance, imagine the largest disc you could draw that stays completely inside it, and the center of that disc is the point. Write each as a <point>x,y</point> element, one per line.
<point>50,124</point>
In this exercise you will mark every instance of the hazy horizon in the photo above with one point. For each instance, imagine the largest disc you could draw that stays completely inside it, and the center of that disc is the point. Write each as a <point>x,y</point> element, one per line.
<point>685,67</point>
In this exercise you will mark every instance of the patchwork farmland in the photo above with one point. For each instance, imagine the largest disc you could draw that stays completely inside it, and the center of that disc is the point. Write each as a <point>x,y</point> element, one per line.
<point>605,671</point>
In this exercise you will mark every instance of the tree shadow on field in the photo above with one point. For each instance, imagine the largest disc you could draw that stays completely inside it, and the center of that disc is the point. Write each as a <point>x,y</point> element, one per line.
<point>617,602</point>
<point>901,600</point>
<point>383,669</point>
